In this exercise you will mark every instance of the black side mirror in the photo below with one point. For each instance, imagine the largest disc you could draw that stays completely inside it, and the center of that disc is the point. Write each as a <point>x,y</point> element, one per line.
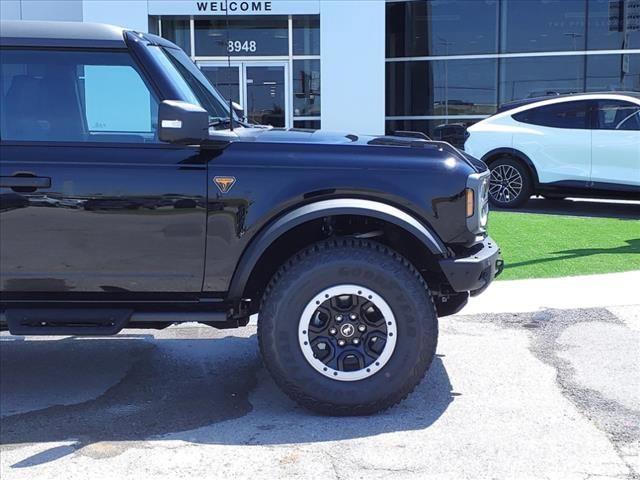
<point>182,122</point>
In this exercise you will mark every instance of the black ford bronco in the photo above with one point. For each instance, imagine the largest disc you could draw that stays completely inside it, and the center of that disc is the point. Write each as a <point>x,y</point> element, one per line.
<point>130,197</point>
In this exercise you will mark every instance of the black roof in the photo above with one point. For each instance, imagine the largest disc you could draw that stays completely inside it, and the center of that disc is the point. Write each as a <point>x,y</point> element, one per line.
<point>60,34</point>
<point>527,101</point>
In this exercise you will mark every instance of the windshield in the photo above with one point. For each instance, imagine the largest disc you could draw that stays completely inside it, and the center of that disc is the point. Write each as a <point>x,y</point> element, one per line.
<point>191,82</point>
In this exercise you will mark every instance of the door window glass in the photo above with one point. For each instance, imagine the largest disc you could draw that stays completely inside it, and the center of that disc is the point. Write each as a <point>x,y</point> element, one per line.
<point>559,115</point>
<point>74,96</point>
<point>110,89</point>
<point>266,96</point>
<point>618,115</point>
<point>195,87</point>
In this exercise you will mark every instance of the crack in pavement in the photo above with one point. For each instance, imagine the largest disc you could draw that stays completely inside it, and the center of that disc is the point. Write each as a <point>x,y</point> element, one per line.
<point>545,328</point>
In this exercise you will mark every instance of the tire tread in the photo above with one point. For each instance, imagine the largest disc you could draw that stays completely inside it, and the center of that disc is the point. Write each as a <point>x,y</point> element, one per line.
<point>319,251</point>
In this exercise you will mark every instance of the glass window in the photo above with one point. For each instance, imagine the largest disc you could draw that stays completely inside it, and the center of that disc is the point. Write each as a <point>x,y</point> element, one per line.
<point>442,87</point>
<point>193,85</point>
<point>226,80</point>
<point>178,31</point>
<point>266,95</point>
<point>306,35</point>
<point>307,124</point>
<point>154,25</point>
<point>613,72</point>
<point>247,36</point>
<point>543,25</point>
<point>116,99</point>
<point>441,27</point>
<point>531,77</point>
<point>558,115</point>
<point>75,96</point>
<point>618,115</point>
<point>306,88</point>
<point>614,24</point>
<point>450,130</point>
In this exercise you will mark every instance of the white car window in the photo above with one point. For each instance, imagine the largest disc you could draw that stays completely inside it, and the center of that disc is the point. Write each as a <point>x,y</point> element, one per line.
<point>617,115</point>
<point>571,114</point>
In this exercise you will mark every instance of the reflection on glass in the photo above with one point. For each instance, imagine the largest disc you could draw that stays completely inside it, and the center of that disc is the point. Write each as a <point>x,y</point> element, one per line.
<point>247,36</point>
<point>442,87</point>
<point>613,72</point>
<point>531,77</point>
<point>618,115</point>
<point>306,35</point>
<point>307,124</point>
<point>614,24</point>
<point>306,88</point>
<point>153,25</point>
<point>178,31</point>
<point>442,27</point>
<point>226,80</point>
<point>543,25</point>
<point>265,96</point>
<point>446,130</point>
<point>75,96</point>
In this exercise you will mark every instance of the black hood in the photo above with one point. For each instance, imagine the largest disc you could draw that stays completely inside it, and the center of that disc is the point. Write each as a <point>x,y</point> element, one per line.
<point>298,135</point>
<point>304,136</point>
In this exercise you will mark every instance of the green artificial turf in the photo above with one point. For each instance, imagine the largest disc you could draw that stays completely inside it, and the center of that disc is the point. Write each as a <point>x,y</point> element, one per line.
<point>542,245</point>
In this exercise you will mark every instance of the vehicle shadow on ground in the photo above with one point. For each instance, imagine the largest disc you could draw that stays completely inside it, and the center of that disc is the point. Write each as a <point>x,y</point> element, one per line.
<point>580,208</point>
<point>631,247</point>
<point>204,390</point>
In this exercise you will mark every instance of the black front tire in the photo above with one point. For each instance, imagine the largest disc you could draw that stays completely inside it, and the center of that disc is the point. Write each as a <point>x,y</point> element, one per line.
<point>511,184</point>
<point>356,262</point>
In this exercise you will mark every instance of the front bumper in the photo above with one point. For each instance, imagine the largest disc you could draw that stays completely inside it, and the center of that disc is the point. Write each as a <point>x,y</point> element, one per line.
<point>475,272</point>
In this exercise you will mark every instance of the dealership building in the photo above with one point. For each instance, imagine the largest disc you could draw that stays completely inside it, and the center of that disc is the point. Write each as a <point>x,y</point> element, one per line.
<point>371,66</point>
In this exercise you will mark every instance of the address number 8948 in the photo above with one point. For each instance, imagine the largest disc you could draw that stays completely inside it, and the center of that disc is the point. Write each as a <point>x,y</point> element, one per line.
<point>238,46</point>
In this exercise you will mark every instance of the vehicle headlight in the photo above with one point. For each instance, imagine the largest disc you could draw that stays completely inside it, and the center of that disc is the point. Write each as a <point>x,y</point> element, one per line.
<point>484,201</point>
<point>477,202</point>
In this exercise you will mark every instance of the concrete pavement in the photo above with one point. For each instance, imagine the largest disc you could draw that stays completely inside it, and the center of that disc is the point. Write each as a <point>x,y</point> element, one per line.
<point>549,393</point>
<point>587,291</point>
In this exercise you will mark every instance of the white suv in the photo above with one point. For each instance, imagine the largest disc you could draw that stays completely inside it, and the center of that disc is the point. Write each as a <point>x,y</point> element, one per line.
<point>574,145</point>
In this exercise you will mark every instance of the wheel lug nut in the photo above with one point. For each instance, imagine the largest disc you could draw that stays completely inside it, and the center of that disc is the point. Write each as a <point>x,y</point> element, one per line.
<point>333,331</point>
<point>342,343</point>
<point>353,316</point>
<point>356,341</point>
<point>339,318</point>
<point>361,328</point>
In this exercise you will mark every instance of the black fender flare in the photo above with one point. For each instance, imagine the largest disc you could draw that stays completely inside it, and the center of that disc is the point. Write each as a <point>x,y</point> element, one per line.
<point>517,154</point>
<point>327,208</point>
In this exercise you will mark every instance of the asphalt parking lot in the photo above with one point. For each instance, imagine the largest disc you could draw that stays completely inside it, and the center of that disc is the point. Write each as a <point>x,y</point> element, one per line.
<point>547,394</point>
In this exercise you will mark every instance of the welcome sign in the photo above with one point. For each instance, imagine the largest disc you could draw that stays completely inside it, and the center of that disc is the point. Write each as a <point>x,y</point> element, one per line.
<point>234,7</point>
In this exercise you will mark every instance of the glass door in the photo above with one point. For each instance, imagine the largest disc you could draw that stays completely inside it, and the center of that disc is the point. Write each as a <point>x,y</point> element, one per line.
<point>226,79</point>
<point>266,94</point>
<point>261,88</point>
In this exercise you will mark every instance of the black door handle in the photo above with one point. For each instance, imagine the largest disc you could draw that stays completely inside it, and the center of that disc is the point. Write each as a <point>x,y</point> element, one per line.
<point>25,182</point>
